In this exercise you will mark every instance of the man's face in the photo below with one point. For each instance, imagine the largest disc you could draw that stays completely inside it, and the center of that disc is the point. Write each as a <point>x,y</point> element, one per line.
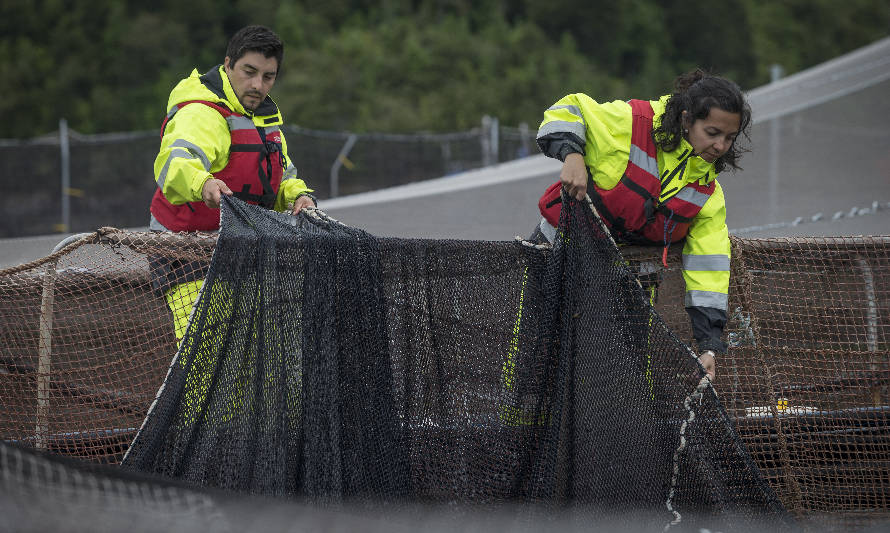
<point>252,77</point>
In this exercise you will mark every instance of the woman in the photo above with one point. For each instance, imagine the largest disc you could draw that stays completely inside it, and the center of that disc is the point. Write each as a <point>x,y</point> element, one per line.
<point>650,168</point>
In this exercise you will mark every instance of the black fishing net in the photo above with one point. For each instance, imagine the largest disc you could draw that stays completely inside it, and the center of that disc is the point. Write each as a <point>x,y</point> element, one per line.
<point>329,365</point>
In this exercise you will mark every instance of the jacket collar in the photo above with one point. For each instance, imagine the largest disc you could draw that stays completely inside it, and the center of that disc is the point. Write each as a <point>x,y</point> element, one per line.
<point>697,168</point>
<point>217,81</point>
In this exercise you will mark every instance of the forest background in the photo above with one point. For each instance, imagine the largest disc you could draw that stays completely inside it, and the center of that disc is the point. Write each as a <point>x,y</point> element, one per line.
<point>402,65</point>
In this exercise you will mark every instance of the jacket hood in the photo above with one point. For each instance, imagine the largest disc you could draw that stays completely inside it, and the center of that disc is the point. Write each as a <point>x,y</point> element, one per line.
<point>214,86</point>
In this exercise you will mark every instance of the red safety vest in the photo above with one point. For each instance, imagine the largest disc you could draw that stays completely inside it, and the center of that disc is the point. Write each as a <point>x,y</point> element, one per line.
<point>631,209</point>
<point>253,173</point>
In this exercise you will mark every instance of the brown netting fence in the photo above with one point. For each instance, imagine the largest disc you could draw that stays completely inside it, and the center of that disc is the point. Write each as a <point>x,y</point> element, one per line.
<point>86,341</point>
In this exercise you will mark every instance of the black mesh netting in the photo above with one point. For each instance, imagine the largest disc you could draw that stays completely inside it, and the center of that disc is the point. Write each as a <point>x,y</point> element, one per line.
<point>327,364</point>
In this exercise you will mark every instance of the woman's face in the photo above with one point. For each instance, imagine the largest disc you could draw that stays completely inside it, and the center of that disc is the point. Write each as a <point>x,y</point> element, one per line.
<point>712,136</point>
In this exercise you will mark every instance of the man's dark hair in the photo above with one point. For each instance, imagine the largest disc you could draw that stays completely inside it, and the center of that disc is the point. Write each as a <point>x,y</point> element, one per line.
<point>255,39</point>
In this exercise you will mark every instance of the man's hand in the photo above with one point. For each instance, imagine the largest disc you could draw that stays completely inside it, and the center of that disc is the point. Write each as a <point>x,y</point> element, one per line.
<point>574,176</point>
<point>212,192</point>
<point>301,202</point>
<point>709,361</point>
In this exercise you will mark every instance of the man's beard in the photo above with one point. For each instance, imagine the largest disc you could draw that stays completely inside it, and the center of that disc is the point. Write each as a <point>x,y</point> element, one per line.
<point>259,100</point>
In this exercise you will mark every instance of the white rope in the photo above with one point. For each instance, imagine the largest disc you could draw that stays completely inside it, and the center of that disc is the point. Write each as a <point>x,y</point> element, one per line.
<point>697,394</point>
<point>818,217</point>
<point>605,228</point>
<point>687,404</point>
<point>530,244</point>
<point>318,214</point>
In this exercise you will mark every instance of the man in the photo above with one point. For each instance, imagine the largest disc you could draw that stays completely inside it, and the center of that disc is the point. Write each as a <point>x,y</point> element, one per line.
<point>221,136</point>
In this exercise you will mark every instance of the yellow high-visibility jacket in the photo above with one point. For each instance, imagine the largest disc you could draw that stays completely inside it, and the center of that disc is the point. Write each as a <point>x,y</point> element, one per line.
<point>601,132</point>
<point>196,140</point>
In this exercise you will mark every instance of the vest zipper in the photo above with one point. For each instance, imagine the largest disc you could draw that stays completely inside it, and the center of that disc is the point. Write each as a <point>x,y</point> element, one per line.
<point>681,166</point>
<point>684,158</point>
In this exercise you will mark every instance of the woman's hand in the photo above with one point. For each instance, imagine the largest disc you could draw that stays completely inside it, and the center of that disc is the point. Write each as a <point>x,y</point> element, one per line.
<point>709,361</point>
<point>574,176</point>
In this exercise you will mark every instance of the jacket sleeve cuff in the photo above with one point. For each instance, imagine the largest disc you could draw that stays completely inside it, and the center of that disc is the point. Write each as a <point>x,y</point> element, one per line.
<point>715,345</point>
<point>311,197</point>
<point>559,145</point>
<point>707,328</point>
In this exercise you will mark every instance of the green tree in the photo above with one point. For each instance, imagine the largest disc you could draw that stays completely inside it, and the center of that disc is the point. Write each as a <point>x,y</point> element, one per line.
<point>439,77</point>
<point>798,34</point>
<point>402,65</point>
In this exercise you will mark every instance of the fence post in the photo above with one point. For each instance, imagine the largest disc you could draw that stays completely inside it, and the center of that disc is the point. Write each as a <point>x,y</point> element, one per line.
<point>335,168</point>
<point>45,351</point>
<point>523,139</point>
<point>45,343</point>
<point>775,146</point>
<point>489,140</point>
<point>494,132</point>
<point>65,163</point>
<point>446,157</point>
<point>871,324</point>
<point>485,140</point>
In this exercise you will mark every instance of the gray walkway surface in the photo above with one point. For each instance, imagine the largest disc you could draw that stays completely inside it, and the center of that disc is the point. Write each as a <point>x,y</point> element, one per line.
<point>498,203</point>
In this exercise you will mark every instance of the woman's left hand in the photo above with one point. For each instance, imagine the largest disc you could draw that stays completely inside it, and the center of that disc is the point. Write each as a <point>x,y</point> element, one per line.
<point>709,361</point>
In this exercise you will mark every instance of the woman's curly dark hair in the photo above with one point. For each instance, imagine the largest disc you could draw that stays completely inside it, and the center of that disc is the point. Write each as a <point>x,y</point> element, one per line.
<point>696,93</point>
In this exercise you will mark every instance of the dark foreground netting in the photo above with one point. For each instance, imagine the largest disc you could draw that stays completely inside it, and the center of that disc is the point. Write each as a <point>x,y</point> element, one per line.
<point>332,366</point>
<point>42,492</point>
<point>47,492</point>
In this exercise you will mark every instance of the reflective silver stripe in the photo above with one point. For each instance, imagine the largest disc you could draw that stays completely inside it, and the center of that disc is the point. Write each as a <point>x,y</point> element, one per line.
<point>689,194</point>
<point>184,154</point>
<point>172,111</point>
<point>640,158</point>
<point>573,109</point>
<point>548,230</point>
<point>706,262</point>
<point>239,123</point>
<point>155,225</point>
<point>717,300</point>
<point>272,129</point>
<point>194,149</point>
<point>558,126</point>
<point>290,173</point>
